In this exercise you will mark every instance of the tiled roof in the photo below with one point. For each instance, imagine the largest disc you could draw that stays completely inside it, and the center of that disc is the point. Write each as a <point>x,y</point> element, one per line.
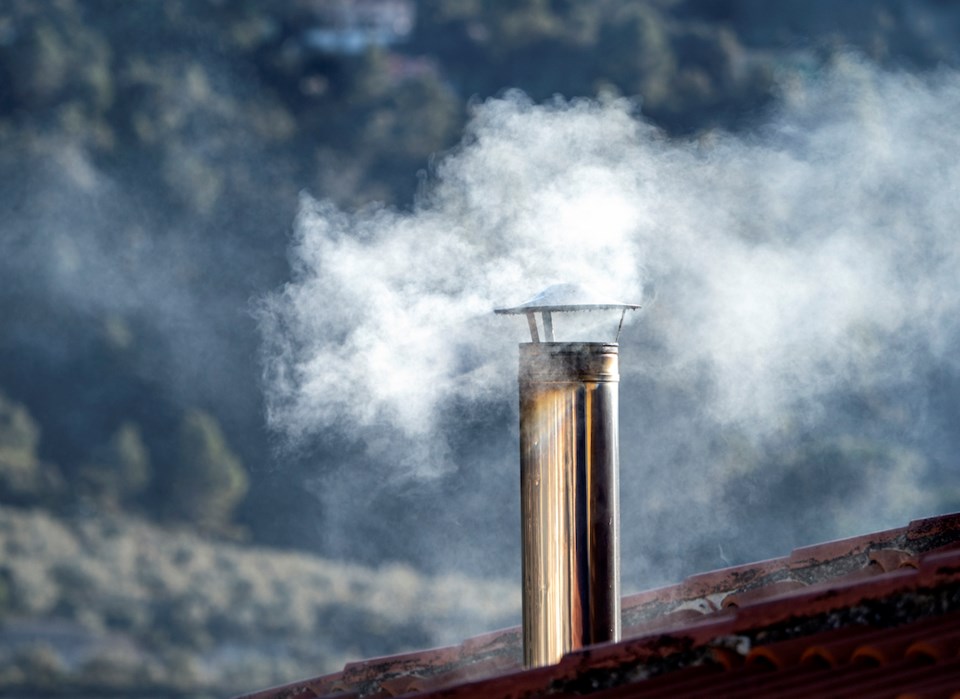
<point>870,616</point>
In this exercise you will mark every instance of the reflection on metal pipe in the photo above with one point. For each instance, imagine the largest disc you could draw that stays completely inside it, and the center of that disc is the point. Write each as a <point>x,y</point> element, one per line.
<point>569,479</point>
<point>569,467</point>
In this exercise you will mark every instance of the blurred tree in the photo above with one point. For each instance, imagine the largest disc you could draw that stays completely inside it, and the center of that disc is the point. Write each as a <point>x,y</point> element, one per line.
<point>688,75</point>
<point>636,55</point>
<point>40,70</point>
<point>24,478</point>
<point>41,664</point>
<point>119,469</point>
<point>208,480</point>
<point>892,32</point>
<point>541,47</point>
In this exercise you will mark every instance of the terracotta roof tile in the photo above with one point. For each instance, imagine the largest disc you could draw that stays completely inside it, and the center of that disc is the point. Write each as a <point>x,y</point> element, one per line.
<point>774,589</point>
<point>934,532</point>
<point>891,559</point>
<point>841,548</point>
<point>934,649</point>
<point>326,686</point>
<point>800,651</point>
<point>873,615</point>
<point>886,645</point>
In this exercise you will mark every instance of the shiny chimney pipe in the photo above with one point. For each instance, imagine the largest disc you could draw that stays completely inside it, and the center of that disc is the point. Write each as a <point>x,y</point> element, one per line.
<point>569,481</point>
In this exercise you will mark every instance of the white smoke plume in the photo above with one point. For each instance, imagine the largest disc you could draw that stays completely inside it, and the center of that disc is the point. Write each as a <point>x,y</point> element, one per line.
<point>390,313</point>
<point>814,253</point>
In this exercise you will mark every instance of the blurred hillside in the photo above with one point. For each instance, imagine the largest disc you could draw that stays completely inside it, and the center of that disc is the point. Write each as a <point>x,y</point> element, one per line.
<point>151,155</point>
<point>151,158</point>
<point>113,606</point>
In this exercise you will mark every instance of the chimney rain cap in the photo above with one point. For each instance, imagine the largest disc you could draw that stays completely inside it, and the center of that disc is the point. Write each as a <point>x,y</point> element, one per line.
<point>567,297</point>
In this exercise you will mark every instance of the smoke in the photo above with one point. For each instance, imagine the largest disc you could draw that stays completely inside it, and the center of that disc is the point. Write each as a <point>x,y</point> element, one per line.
<point>389,315</point>
<point>806,290</point>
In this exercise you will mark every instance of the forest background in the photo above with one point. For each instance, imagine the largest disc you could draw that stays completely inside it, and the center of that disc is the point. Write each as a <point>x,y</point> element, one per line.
<point>156,538</point>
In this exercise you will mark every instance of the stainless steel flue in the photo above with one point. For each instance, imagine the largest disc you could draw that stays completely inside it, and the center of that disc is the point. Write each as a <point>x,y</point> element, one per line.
<point>569,481</point>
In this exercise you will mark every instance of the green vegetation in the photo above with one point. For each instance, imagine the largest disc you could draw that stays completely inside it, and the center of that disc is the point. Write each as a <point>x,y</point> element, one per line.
<point>119,470</point>
<point>111,602</point>
<point>23,476</point>
<point>209,480</point>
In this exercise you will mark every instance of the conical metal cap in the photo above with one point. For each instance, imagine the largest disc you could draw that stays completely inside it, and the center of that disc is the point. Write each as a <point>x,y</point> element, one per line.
<point>567,297</point>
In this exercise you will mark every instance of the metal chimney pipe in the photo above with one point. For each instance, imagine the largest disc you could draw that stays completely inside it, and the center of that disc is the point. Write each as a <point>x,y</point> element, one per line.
<point>569,490</point>
<point>569,482</point>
